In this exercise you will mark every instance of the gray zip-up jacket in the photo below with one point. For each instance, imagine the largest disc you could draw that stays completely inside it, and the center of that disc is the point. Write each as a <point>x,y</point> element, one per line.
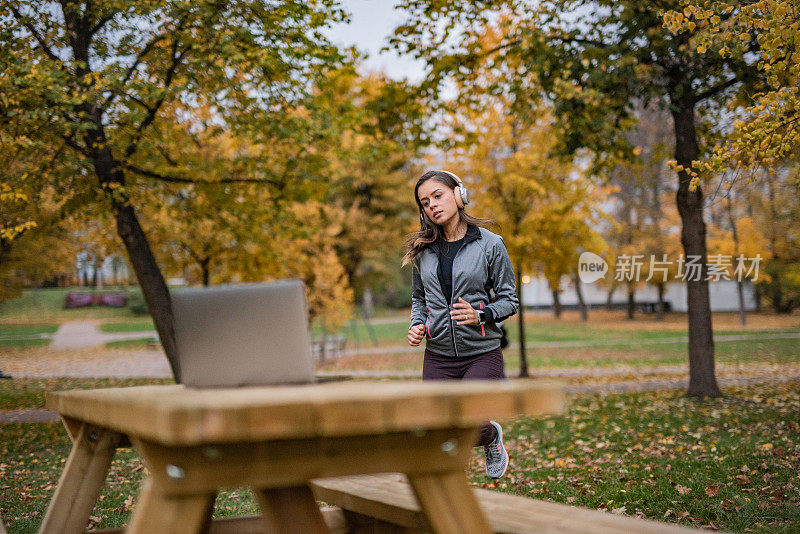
<point>480,266</point>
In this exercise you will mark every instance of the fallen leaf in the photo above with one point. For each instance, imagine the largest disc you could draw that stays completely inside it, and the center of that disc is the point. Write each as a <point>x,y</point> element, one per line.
<point>712,490</point>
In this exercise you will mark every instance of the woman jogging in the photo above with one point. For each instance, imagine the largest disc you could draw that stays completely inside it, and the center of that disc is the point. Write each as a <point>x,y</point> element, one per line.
<point>463,285</point>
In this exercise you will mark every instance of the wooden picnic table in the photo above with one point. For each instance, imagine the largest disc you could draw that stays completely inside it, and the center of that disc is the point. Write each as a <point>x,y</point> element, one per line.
<point>275,439</point>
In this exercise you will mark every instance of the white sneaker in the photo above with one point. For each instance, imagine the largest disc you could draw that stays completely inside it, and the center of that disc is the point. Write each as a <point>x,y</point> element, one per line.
<point>496,455</point>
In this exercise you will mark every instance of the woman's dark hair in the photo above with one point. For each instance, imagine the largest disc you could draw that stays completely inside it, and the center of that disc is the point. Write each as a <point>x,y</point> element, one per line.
<point>429,231</point>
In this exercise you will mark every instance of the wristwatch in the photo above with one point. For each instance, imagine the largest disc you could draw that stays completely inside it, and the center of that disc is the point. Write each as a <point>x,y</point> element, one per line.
<point>481,317</point>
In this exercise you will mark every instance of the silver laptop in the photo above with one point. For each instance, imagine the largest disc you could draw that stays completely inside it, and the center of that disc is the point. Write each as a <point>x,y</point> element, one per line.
<point>243,335</point>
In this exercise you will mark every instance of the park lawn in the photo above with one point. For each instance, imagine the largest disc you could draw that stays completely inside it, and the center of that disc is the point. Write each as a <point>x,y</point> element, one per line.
<point>768,351</point>
<point>48,305</point>
<point>22,393</point>
<point>133,325</point>
<point>744,351</point>
<point>21,335</point>
<point>731,461</point>
<point>12,330</point>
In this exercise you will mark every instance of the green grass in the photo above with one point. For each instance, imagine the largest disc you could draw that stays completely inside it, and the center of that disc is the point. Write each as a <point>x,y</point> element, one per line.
<point>730,461</point>
<point>11,330</point>
<point>10,335</point>
<point>748,351</point>
<point>20,393</point>
<point>48,305</point>
<point>128,326</point>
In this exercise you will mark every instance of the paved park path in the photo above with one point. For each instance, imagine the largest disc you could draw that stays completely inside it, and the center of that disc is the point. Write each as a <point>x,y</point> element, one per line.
<point>82,334</point>
<point>153,364</point>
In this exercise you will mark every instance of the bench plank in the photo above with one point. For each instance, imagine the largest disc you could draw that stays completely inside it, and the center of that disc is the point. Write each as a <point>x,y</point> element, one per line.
<point>177,415</point>
<point>390,498</point>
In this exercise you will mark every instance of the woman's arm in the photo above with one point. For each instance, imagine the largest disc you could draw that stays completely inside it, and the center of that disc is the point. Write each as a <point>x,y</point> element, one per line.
<point>419,310</point>
<point>504,283</point>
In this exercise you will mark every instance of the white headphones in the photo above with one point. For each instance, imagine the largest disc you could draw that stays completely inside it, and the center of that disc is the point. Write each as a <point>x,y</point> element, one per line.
<point>461,192</point>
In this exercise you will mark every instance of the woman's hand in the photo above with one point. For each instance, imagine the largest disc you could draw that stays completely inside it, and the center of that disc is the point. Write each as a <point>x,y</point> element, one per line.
<point>464,313</point>
<point>415,334</point>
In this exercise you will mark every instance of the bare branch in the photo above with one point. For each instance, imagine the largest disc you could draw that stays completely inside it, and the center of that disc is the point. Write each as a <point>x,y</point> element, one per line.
<point>75,146</point>
<point>500,47</point>
<point>146,50</point>
<point>42,44</point>
<point>151,115</point>
<point>102,22</point>
<point>181,180</point>
<point>711,91</point>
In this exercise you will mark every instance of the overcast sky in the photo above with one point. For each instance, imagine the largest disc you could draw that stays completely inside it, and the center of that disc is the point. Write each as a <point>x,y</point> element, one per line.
<point>372,21</point>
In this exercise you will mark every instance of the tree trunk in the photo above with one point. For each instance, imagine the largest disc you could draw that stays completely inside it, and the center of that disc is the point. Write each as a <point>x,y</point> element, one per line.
<point>556,303</point>
<point>631,301</point>
<point>205,270</point>
<point>151,280</point>
<point>702,380</point>
<point>739,289</point>
<point>660,304</point>
<point>610,296</point>
<point>523,358</point>
<point>581,303</point>
<point>775,287</point>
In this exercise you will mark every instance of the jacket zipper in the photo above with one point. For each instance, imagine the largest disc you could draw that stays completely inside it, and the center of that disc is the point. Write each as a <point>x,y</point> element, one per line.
<point>452,290</point>
<point>428,324</point>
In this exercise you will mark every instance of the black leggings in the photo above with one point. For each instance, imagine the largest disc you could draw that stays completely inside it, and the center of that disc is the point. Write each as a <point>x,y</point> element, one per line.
<point>486,366</point>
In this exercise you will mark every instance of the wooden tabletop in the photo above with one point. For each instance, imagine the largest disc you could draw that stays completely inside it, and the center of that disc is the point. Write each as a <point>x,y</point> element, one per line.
<point>177,415</point>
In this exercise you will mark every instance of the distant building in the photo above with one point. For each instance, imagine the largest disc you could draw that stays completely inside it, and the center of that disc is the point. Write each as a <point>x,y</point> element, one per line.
<point>536,293</point>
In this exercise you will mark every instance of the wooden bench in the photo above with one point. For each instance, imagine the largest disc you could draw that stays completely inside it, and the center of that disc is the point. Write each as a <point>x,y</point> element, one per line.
<point>385,503</point>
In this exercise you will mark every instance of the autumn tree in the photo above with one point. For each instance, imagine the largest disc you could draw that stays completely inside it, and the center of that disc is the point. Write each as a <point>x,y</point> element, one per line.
<point>765,131</point>
<point>546,208</point>
<point>735,239</point>
<point>593,59</point>
<point>774,205</point>
<point>640,180</point>
<point>370,163</point>
<point>36,204</point>
<point>96,76</point>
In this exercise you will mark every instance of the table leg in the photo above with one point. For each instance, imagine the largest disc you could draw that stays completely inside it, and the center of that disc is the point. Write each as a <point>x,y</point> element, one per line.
<point>80,482</point>
<point>448,501</point>
<point>160,513</point>
<point>290,510</point>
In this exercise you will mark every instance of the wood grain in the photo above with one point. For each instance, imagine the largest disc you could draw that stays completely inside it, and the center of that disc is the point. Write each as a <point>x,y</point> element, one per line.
<point>173,414</point>
<point>81,480</point>
<point>389,497</point>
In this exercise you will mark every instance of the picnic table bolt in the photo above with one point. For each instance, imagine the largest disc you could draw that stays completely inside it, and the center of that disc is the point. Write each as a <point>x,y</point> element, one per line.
<point>419,432</point>
<point>94,436</point>
<point>175,472</point>
<point>450,447</point>
<point>212,453</point>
